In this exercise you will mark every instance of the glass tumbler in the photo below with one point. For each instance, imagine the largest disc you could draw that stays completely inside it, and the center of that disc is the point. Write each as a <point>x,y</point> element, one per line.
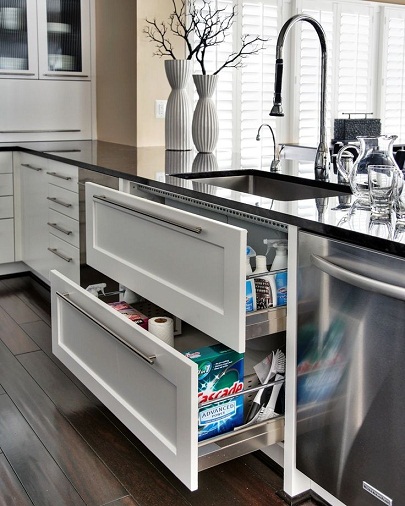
<point>382,181</point>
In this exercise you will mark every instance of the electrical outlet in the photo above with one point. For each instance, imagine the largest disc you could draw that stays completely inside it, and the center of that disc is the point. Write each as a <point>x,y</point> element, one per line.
<point>160,108</point>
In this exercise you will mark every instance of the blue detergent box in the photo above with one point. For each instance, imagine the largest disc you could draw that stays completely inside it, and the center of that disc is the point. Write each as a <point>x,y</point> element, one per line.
<point>220,374</point>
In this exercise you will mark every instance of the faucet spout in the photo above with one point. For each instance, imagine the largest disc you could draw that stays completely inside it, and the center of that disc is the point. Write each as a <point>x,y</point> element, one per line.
<point>322,158</point>
<point>275,164</point>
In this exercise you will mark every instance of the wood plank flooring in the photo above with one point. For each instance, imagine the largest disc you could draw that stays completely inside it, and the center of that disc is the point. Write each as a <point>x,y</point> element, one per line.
<point>60,446</point>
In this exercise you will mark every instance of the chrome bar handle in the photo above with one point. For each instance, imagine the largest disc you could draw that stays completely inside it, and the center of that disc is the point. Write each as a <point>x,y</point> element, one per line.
<point>60,255</point>
<point>60,229</point>
<point>17,73</point>
<point>196,230</point>
<point>370,284</point>
<point>60,176</point>
<point>60,74</point>
<point>57,201</point>
<point>36,131</point>
<point>149,359</point>
<point>28,166</point>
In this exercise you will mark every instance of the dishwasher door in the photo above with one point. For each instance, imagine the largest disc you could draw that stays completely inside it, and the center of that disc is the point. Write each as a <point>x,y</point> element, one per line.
<point>351,371</point>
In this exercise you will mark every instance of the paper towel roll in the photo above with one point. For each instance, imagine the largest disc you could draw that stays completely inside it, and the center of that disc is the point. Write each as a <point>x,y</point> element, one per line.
<point>163,328</point>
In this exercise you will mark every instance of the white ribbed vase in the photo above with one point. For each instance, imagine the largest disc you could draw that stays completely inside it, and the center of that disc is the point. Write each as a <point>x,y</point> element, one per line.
<point>178,110</point>
<point>205,127</point>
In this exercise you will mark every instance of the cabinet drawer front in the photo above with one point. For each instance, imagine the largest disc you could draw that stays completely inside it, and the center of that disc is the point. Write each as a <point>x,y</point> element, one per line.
<point>7,241</point>
<point>63,257</point>
<point>6,207</point>
<point>6,163</point>
<point>63,175</point>
<point>192,266</point>
<point>157,402</point>
<point>63,201</point>
<point>64,227</point>
<point>6,184</point>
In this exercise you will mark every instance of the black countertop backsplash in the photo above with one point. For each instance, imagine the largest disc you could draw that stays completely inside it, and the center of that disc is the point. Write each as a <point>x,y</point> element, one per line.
<point>336,217</point>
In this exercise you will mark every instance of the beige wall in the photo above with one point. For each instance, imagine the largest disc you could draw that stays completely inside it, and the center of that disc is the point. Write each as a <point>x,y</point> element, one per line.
<point>116,73</point>
<point>128,77</point>
<point>152,82</point>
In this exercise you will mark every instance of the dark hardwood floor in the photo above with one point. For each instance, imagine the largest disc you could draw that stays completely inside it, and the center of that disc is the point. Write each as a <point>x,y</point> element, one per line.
<point>60,446</point>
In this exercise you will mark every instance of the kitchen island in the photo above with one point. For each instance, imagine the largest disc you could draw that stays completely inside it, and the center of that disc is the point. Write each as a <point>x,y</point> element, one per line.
<point>149,173</point>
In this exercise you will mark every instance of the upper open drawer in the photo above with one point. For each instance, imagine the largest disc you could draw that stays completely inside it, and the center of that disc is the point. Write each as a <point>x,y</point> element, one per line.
<point>192,266</point>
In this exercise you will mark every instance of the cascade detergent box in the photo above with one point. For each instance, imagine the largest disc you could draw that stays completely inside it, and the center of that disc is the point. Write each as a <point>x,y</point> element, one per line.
<point>220,374</point>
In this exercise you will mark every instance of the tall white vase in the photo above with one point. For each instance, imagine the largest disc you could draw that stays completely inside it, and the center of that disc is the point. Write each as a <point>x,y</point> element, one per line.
<point>205,126</point>
<point>178,109</point>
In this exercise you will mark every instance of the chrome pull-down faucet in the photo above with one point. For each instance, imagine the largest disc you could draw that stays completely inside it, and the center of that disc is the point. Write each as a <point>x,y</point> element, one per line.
<point>322,158</point>
<point>275,164</point>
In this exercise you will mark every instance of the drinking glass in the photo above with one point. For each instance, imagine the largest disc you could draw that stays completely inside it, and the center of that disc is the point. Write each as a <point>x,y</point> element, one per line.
<point>382,180</point>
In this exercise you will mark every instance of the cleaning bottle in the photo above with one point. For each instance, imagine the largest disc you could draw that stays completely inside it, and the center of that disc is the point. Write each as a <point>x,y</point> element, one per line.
<point>280,262</point>
<point>250,285</point>
<point>96,289</point>
<point>265,286</point>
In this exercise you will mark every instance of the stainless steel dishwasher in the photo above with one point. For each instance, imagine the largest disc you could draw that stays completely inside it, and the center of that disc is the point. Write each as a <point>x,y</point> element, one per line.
<point>351,371</point>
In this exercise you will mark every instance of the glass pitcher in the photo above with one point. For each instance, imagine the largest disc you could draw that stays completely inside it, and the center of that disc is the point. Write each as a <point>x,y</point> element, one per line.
<point>373,151</point>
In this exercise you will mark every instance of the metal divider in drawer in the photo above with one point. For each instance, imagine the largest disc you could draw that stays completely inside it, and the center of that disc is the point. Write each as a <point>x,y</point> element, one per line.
<point>64,227</point>
<point>266,321</point>
<point>65,176</point>
<point>64,201</point>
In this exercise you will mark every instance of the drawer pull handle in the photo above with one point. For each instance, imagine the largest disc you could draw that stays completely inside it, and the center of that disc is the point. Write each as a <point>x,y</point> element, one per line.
<point>150,360</point>
<point>57,227</point>
<point>60,255</point>
<point>57,201</point>
<point>60,176</point>
<point>28,166</point>
<point>35,131</point>
<point>196,230</point>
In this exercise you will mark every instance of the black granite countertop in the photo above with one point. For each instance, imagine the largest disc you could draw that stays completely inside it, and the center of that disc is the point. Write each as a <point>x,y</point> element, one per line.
<point>336,216</point>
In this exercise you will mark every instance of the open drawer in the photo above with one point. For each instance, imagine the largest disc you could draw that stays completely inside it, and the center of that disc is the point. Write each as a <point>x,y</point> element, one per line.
<point>192,266</point>
<point>149,386</point>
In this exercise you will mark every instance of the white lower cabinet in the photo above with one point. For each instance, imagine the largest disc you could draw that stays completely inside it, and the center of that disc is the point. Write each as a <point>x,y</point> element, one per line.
<point>191,266</point>
<point>6,240</point>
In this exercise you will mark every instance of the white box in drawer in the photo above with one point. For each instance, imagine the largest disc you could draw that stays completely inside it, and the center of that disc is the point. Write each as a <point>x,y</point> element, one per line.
<point>63,201</point>
<point>63,175</point>
<point>6,184</point>
<point>64,257</point>
<point>6,162</point>
<point>6,207</point>
<point>64,227</point>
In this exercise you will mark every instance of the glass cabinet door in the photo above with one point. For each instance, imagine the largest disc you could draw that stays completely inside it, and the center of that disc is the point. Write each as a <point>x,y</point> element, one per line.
<point>18,39</point>
<point>64,38</point>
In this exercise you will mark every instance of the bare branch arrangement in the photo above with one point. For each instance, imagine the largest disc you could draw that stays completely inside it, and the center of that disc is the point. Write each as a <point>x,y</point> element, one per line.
<point>202,26</point>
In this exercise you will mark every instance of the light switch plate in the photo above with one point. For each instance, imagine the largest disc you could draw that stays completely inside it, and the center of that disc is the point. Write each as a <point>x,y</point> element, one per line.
<point>160,108</point>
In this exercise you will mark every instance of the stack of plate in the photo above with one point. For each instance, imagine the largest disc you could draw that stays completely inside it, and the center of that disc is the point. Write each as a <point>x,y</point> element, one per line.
<point>11,18</point>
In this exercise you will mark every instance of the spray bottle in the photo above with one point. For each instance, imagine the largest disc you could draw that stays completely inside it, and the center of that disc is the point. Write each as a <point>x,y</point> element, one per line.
<point>279,263</point>
<point>96,289</point>
<point>250,284</point>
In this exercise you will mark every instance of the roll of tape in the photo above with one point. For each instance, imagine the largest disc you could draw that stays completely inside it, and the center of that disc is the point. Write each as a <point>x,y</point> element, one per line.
<point>163,328</point>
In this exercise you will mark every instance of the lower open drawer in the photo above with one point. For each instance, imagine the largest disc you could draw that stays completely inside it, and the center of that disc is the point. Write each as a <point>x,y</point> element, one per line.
<point>150,386</point>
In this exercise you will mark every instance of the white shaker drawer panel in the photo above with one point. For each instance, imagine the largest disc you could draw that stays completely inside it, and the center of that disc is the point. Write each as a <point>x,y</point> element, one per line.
<point>6,184</point>
<point>6,241</point>
<point>63,201</point>
<point>61,174</point>
<point>64,227</point>
<point>6,162</point>
<point>148,385</point>
<point>63,257</point>
<point>192,266</point>
<point>6,207</point>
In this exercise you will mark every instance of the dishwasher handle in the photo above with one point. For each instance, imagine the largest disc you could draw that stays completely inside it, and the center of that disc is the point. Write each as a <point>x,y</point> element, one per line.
<point>370,284</point>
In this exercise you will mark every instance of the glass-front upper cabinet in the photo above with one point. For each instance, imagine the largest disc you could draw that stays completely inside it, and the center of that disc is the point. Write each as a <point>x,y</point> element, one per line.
<point>18,39</point>
<point>64,39</point>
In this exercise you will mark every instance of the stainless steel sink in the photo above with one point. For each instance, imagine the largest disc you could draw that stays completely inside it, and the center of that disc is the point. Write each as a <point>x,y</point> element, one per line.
<point>272,186</point>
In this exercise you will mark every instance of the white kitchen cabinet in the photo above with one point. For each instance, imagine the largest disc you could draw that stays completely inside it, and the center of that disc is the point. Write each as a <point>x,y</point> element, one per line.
<point>34,210</point>
<point>174,259</point>
<point>45,39</point>
<point>49,229</point>
<point>6,208</point>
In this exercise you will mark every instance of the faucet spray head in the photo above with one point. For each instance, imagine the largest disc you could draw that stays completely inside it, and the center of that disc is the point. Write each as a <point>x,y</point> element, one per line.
<point>277,109</point>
